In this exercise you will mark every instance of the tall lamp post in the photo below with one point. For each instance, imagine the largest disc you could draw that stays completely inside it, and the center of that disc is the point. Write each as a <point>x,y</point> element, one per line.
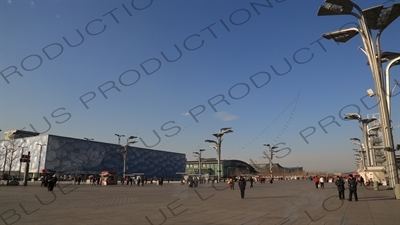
<point>124,152</point>
<point>217,143</point>
<point>363,126</point>
<point>39,158</point>
<point>270,157</point>
<point>198,154</point>
<point>361,152</point>
<point>374,18</point>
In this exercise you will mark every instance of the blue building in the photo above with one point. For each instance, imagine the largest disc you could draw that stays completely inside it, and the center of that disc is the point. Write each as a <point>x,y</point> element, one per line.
<point>71,156</point>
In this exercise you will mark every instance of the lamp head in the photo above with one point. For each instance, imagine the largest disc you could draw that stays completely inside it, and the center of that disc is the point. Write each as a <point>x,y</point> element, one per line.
<point>210,141</point>
<point>335,7</point>
<point>370,92</point>
<point>341,35</point>
<point>378,17</point>
<point>352,116</point>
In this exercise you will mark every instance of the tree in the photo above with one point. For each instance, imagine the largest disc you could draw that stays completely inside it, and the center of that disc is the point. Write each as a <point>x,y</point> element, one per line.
<point>12,147</point>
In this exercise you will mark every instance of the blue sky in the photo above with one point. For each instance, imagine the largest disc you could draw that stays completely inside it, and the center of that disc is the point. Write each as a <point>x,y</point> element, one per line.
<point>175,72</point>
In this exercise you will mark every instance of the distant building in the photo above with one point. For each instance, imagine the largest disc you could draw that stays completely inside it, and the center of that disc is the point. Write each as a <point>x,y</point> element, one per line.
<point>229,167</point>
<point>72,156</point>
<point>277,168</point>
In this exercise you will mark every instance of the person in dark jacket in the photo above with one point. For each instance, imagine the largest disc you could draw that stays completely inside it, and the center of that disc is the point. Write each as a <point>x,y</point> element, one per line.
<point>352,188</point>
<point>340,186</point>
<point>51,183</point>
<point>242,186</point>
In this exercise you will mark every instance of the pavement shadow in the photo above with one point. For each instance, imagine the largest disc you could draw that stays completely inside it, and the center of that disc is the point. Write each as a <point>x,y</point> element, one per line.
<point>271,197</point>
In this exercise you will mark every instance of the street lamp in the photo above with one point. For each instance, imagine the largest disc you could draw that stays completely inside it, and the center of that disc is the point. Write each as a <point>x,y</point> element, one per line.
<point>270,157</point>
<point>363,126</point>
<point>217,146</point>
<point>199,158</point>
<point>40,156</point>
<point>124,151</point>
<point>119,138</point>
<point>374,18</point>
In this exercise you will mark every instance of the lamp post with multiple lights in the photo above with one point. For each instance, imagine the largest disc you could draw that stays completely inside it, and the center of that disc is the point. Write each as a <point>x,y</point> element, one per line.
<point>374,18</point>
<point>198,154</point>
<point>361,151</point>
<point>270,157</point>
<point>119,138</point>
<point>217,146</point>
<point>364,129</point>
<point>124,152</point>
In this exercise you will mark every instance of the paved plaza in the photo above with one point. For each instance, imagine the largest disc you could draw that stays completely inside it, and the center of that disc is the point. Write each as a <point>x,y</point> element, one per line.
<point>281,203</point>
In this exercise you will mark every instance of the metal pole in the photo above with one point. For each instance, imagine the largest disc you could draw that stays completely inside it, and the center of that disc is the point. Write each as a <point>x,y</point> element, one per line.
<point>200,163</point>
<point>376,68</point>
<point>219,158</point>
<point>27,169</point>
<point>388,91</point>
<point>125,154</point>
<point>40,156</point>
<point>270,162</point>
<point>366,143</point>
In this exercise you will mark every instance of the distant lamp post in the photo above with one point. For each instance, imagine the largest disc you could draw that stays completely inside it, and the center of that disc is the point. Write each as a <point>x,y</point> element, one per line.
<point>119,138</point>
<point>361,151</point>
<point>270,157</point>
<point>124,152</point>
<point>198,154</point>
<point>363,126</point>
<point>40,156</point>
<point>374,18</point>
<point>217,147</point>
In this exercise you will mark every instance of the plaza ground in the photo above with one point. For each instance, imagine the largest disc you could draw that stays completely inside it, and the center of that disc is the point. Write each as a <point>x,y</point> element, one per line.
<point>280,203</point>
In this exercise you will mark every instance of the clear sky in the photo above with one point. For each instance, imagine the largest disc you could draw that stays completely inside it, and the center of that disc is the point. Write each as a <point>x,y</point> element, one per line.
<point>175,72</point>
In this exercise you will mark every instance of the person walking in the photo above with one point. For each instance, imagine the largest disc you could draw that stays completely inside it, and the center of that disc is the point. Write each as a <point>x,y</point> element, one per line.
<point>361,181</point>
<point>352,188</point>
<point>242,186</point>
<point>340,186</point>
<point>231,183</point>
<point>251,182</point>
<point>321,182</point>
<point>316,181</point>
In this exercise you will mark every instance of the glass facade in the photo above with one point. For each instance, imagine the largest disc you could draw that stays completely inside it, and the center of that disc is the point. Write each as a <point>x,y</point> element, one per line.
<point>229,167</point>
<point>76,156</point>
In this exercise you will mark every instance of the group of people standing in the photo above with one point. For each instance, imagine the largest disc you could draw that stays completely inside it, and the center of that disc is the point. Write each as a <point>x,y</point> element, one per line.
<point>340,184</point>
<point>352,184</point>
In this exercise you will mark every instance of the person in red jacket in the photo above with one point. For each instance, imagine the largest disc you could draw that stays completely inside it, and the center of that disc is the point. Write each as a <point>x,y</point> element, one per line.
<point>316,181</point>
